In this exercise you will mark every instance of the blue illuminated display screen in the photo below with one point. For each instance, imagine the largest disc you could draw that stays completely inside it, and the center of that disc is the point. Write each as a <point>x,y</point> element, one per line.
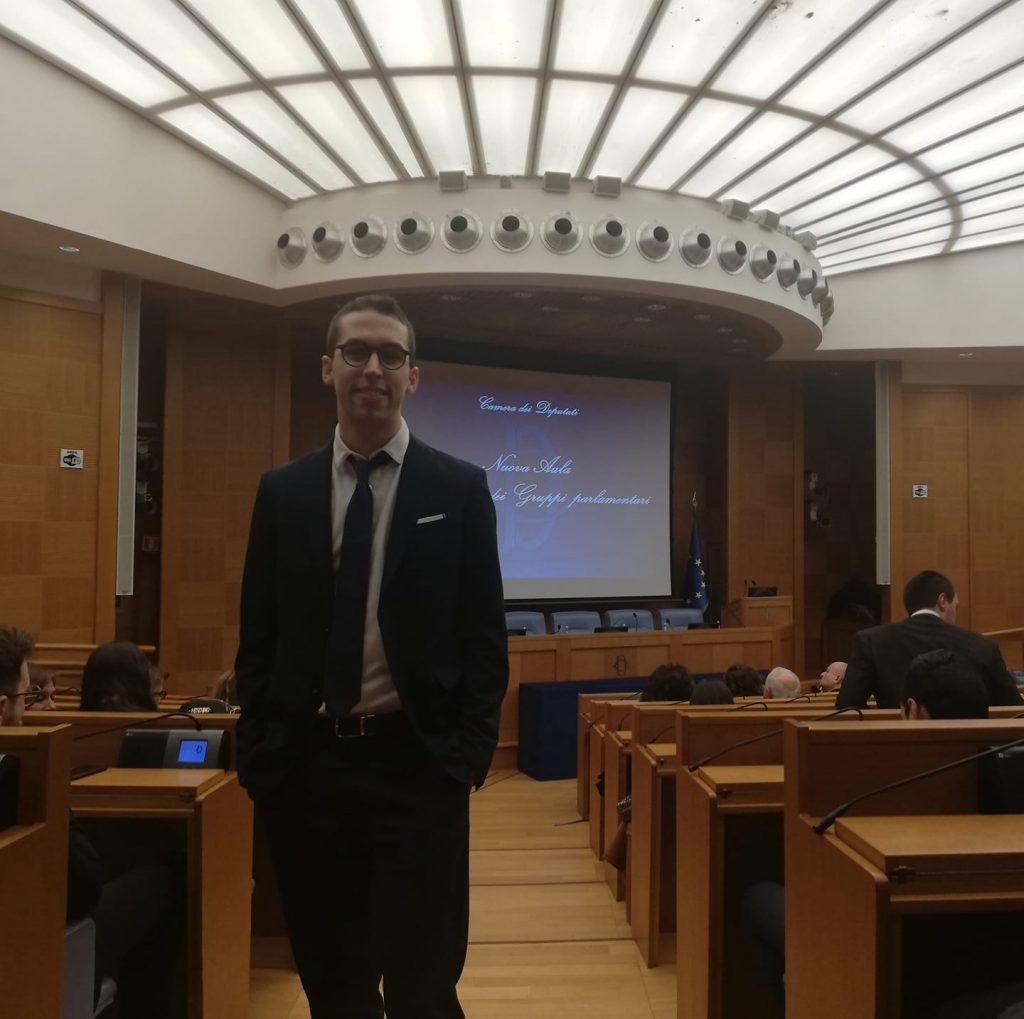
<point>192,751</point>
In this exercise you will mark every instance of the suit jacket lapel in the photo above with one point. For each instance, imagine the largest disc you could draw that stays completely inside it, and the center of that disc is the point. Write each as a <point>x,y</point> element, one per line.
<point>411,484</point>
<point>316,514</point>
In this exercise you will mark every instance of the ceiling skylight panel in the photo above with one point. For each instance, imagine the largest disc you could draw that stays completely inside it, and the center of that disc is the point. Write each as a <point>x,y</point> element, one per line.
<point>265,119</point>
<point>407,33</point>
<point>373,97</point>
<point>785,40</point>
<point>870,245</point>
<point>689,39</point>
<point>756,140</point>
<point>984,142</point>
<point>886,180</point>
<point>573,111</point>
<point>77,41</point>
<point>211,131</point>
<point>707,122</point>
<point>1003,165</point>
<point>993,44</point>
<point>846,168</point>
<point>504,108</point>
<point>641,117</point>
<point>328,110</point>
<point>819,145</point>
<point>940,217</point>
<point>596,36</point>
<point>503,34</point>
<point>326,19</point>
<point>163,29</point>
<point>1008,235</point>
<point>434,103</point>
<point>869,210</point>
<point>848,263</point>
<point>899,33</point>
<point>263,34</point>
<point>963,112</point>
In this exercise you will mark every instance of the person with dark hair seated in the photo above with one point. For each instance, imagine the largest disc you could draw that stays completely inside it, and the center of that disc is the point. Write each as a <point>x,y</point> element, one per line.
<point>711,691</point>
<point>668,683</point>
<point>118,677</point>
<point>940,685</point>
<point>743,681</point>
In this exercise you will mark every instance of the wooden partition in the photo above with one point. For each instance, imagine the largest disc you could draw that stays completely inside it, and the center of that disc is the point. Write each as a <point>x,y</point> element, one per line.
<point>915,878</point>
<point>33,869</point>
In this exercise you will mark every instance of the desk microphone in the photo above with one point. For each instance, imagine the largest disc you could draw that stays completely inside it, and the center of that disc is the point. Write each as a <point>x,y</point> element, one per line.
<point>138,725</point>
<point>823,824</point>
<point>751,704</point>
<point>766,735</point>
<point>636,622</point>
<point>798,697</point>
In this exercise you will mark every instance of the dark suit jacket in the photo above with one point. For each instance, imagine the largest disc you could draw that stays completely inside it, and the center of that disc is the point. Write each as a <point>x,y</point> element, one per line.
<point>440,612</point>
<point>883,653</point>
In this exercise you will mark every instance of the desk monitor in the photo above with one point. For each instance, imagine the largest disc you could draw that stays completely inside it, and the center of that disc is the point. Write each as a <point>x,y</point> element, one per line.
<point>174,748</point>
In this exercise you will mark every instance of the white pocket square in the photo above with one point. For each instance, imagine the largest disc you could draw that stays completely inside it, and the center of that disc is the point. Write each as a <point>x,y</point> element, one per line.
<point>430,520</point>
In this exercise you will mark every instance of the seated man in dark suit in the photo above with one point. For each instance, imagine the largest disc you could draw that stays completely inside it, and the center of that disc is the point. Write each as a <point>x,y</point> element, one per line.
<point>883,653</point>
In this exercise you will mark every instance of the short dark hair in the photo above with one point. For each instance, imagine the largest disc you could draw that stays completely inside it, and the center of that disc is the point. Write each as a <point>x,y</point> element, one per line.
<point>15,646</point>
<point>383,304</point>
<point>116,677</point>
<point>923,590</point>
<point>711,691</point>
<point>743,681</point>
<point>945,686</point>
<point>668,683</point>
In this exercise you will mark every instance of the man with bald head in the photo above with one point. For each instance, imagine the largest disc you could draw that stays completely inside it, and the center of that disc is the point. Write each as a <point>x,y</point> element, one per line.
<point>831,678</point>
<point>781,684</point>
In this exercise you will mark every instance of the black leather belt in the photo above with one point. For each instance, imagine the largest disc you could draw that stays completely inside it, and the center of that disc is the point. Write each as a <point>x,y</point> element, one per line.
<point>356,726</point>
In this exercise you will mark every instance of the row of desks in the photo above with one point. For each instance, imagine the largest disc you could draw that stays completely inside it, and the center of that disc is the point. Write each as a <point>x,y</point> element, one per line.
<point>854,896</point>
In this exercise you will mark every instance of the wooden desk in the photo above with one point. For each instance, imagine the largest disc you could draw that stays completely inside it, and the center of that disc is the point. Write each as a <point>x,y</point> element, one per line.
<point>730,836</point>
<point>217,817</point>
<point>33,875</point>
<point>906,934</point>
<point>588,712</point>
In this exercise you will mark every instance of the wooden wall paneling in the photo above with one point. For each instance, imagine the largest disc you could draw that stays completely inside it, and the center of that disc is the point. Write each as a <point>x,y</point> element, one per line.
<point>109,452</point>
<point>892,607</point>
<point>935,531</point>
<point>996,487</point>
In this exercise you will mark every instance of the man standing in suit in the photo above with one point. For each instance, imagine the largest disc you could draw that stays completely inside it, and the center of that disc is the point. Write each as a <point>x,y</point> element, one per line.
<point>371,666</point>
<point>883,653</point>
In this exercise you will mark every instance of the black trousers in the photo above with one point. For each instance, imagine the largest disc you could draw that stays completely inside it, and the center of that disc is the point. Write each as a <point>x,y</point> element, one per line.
<point>370,844</point>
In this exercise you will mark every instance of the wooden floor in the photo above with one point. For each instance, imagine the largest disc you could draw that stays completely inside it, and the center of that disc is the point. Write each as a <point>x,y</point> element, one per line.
<point>546,938</point>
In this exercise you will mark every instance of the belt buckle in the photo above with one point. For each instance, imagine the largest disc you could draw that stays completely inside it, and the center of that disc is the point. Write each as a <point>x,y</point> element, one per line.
<point>351,735</point>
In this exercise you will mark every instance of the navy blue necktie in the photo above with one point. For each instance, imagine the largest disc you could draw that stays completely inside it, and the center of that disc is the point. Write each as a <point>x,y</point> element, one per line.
<point>343,678</point>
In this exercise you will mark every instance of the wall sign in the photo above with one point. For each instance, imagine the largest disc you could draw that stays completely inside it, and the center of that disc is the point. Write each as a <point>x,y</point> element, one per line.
<point>72,459</point>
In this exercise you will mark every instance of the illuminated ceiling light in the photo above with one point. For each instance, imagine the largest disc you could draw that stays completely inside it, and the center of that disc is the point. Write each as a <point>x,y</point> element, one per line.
<point>413,233</point>
<point>609,236</point>
<point>522,295</point>
<point>654,242</point>
<point>550,308</point>
<point>369,236</point>
<point>695,247</point>
<point>788,271</point>
<point>965,353</point>
<point>462,231</point>
<point>642,319</point>
<point>328,240</point>
<point>291,247</point>
<point>701,316</point>
<point>511,231</point>
<point>656,307</point>
<point>806,281</point>
<point>561,233</point>
<point>762,262</point>
<point>732,254</point>
<point>69,249</point>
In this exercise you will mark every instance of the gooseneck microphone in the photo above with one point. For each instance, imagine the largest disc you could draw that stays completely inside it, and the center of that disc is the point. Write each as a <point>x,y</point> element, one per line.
<point>751,704</point>
<point>636,622</point>
<point>138,725</point>
<point>766,735</point>
<point>823,824</point>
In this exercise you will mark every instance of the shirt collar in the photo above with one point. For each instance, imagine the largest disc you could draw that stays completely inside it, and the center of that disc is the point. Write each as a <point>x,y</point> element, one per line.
<point>395,448</point>
<point>925,612</point>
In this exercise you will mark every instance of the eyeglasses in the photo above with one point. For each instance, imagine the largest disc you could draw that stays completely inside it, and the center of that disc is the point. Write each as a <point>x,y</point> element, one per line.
<point>32,696</point>
<point>355,353</point>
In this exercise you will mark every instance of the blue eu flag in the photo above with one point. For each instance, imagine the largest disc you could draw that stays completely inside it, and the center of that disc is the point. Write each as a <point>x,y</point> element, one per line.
<point>696,583</point>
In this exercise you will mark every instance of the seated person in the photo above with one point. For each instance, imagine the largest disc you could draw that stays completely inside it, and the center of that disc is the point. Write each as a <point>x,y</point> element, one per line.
<point>119,677</point>
<point>668,683</point>
<point>938,684</point>
<point>743,681</point>
<point>831,678</point>
<point>135,912</point>
<point>781,684</point>
<point>43,686</point>
<point>711,691</point>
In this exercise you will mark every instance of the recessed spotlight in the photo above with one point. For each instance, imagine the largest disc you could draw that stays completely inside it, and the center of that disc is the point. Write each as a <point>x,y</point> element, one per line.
<point>723,330</point>
<point>590,298</point>
<point>550,307</point>
<point>522,295</point>
<point>701,316</point>
<point>69,249</point>
<point>641,319</point>
<point>835,373</point>
<point>451,297</point>
<point>656,307</point>
<point>966,353</point>
<point>740,341</point>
